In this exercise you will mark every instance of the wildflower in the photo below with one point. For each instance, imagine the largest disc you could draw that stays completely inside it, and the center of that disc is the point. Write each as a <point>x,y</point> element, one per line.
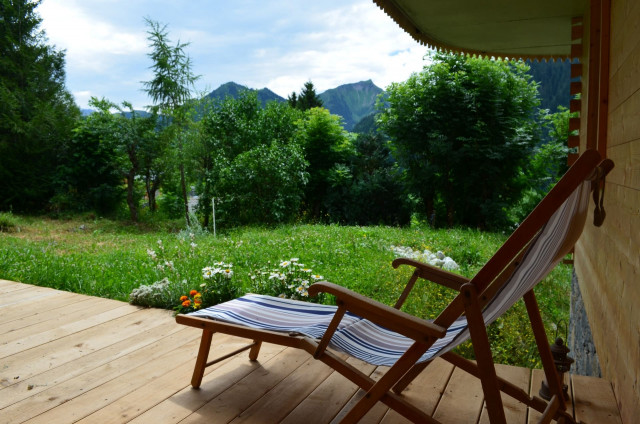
<point>285,264</point>
<point>193,245</point>
<point>169,264</point>
<point>294,259</point>
<point>207,272</point>
<point>306,269</point>
<point>282,296</point>
<point>191,236</point>
<point>152,254</point>
<point>227,273</point>
<point>317,277</point>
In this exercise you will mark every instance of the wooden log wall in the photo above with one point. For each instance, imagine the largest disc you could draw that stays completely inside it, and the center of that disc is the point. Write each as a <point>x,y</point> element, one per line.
<point>608,258</point>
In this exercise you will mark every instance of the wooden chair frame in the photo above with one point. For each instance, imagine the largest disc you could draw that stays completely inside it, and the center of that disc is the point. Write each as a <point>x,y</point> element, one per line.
<point>473,296</point>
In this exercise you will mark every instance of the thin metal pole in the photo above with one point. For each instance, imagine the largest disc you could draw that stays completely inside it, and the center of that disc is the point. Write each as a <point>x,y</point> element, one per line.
<point>213,206</point>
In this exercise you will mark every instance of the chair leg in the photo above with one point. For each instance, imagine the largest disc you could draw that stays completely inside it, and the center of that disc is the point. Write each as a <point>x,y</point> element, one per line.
<point>550,371</point>
<point>201,361</point>
<point>484,358</point>
<point>253,353</point>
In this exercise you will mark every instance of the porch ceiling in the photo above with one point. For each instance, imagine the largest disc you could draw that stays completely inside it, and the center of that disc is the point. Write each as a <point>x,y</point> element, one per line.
<point>501,28</point>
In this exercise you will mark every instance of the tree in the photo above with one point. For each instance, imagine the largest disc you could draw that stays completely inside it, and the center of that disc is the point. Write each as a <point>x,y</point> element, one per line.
<point>327,148</point>
<point>37,113</point>
<point>369,191</point>
<point>463,130</point>
<point>293,100</point>
<point>119,141</point>
<point>249,158</point>
<point>307,99</point>
<point>101,188</point>
<point>170,90</point>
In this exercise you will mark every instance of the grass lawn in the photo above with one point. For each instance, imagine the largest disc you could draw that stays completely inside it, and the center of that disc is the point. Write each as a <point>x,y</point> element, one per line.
<point>106,258</point>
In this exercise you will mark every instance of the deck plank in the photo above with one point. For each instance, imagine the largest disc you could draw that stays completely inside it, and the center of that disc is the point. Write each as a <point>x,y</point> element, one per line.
<point>227,391</point>
<point>64,302</point>
<point>594,402</point>
<point>28,363</point>
<point>57,325</point>
<point>514,411</point>
<point>169,384</point>
<point>328,398</point>
<point>461,401</point>
<point>108,356</point>
<point>375,414</point>
<point>103,387</point>
<point>425,391</point>
<point>67,365</point>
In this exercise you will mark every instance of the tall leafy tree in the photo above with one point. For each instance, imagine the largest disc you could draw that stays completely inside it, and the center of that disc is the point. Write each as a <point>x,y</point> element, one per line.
<point>117,144</point>
<point>37,113</point>
<point>327,148</point>
<point>170,89</point>
<point>464,130</point>
<point>250,159</point>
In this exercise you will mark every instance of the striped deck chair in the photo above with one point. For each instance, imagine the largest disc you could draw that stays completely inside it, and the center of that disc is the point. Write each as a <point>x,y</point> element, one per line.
<point>384,335</point>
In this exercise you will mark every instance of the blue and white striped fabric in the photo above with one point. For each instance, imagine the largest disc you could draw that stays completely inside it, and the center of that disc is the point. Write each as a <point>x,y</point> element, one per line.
<point>379,346</point>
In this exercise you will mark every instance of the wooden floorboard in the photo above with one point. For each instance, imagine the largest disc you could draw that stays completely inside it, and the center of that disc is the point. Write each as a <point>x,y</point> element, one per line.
<point>69,358</point>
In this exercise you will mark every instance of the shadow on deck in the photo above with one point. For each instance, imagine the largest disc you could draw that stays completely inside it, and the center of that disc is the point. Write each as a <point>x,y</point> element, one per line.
<point>68,358</point>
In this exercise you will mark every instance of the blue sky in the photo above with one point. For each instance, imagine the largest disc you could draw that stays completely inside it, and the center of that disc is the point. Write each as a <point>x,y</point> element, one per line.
<point>278,44</point>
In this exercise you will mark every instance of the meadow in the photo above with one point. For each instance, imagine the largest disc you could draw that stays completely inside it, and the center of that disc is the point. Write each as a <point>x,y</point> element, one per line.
<point>106,258</point>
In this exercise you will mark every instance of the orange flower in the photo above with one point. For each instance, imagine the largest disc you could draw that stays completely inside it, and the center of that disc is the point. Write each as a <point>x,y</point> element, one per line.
<point>197,296</point>
<point>197,301</point>
<point>183,298</point>
<point>193,292</point>
<point>186,303</point>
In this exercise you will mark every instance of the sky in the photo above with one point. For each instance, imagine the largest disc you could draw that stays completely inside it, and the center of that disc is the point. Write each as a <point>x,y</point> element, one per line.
<point>278,44</point>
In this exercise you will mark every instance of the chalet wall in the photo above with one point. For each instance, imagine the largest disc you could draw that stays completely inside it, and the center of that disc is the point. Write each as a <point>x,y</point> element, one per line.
<point>608,258</point>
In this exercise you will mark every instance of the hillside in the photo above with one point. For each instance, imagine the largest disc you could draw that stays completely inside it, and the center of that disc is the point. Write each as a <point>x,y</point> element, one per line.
<point>352,101</point>
<point>554,79</point>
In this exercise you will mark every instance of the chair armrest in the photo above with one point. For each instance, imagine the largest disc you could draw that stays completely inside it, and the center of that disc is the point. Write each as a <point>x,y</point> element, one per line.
<point>434,274</point>
<point>415,328</point>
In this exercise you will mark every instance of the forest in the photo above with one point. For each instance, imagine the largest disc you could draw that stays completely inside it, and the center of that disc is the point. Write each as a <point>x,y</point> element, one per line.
<point>464,142</point>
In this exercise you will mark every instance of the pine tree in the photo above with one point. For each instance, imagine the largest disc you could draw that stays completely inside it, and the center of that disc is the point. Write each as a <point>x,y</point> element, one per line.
<point>308,98</point>
<point>37,113</point>
<point>171,90</point>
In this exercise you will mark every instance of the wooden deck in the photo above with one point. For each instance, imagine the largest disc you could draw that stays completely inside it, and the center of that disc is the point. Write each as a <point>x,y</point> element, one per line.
<point>68,358</point>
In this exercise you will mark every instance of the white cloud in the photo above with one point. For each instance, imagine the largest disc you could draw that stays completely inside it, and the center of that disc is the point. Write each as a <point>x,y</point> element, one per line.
<point>91,43</point>
<point>279,44</point>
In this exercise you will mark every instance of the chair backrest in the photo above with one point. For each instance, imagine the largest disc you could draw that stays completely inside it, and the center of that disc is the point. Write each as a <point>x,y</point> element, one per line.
<point>534,249</point>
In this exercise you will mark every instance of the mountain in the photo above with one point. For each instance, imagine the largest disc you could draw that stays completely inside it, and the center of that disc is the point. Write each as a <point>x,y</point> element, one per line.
<point>554,78</point>
<point>232,89</point>
<point>352,101</point>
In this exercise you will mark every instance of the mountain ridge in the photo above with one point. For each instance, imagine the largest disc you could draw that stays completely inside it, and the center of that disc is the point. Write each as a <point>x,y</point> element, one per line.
<point>352,101</point>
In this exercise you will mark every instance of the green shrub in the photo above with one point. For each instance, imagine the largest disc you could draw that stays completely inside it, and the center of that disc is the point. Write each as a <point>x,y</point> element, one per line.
<point>8,223</point>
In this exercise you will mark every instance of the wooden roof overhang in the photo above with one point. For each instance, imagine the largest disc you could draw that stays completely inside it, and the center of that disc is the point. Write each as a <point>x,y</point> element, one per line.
<point>514,29</point>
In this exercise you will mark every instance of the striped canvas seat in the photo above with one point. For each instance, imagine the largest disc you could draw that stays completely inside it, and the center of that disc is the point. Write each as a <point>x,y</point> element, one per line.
<point>356,336</point>
<point>377,345</point>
